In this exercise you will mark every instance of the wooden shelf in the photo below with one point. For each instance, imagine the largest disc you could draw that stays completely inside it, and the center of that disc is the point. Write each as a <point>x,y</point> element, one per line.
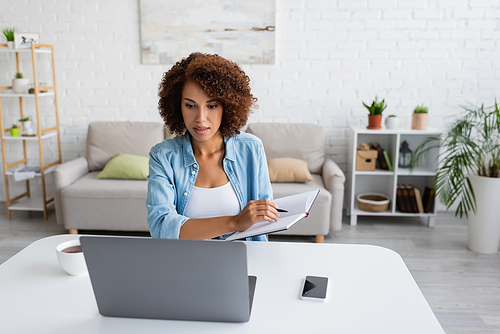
<point>33,203</point>
<point>29,204</point>
<point>6,94</point>
<point>8,137</point>
<point>47,171</point>
<point>7,50</point>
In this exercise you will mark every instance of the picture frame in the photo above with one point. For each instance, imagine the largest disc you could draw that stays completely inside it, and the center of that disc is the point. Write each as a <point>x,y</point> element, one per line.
<point>23,40</point>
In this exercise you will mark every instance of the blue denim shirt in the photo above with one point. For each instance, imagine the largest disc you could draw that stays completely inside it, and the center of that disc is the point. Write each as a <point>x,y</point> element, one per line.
<point>173,171</point>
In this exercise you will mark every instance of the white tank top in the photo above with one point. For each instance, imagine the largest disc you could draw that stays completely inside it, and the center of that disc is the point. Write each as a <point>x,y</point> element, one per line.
<point>212,202</point>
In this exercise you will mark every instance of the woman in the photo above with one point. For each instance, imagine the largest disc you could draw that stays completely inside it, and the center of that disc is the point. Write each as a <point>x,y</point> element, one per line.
<point>211,180</point>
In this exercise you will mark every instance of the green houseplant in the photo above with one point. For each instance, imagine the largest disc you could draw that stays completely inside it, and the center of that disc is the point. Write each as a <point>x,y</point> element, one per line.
<point>468,173</point>
<point>9,36</point>
<point>375,116</point>
<point>420,118</point>
<point>14,130</point>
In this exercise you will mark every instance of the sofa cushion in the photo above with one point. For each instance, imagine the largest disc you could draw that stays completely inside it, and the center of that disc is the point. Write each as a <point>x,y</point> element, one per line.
<point>90,201</point>
<point>107,139</point>
<point>126,167</point>
<point>315,223</point>
<point>299,141</point>
<point>288,170</point>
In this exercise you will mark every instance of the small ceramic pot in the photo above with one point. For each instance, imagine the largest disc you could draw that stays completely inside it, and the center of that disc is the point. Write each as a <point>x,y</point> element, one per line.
<point>14,132</point>
<point>10,45</point>
<point>20,86</point>
<point>392,122</point>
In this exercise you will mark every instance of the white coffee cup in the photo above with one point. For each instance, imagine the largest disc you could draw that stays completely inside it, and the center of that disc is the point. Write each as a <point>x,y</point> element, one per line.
<point>72,262</point>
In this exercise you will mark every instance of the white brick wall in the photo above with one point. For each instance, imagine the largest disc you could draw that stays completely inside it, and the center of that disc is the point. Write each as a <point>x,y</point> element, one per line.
<point>331,55</point>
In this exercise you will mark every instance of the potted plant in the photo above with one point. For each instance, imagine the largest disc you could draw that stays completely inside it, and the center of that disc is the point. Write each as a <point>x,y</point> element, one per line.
<point>20,85</point>
<point>468,173</point>
<point>392,122</point>
<point>420,118</point>
<point>375,116</point>
<point>14,130</point>
<point>9,36</point>
<point>27,125</point>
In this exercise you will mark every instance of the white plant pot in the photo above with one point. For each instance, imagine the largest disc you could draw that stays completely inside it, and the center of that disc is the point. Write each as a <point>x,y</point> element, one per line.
<point>20,86</point>
<point>484,225</point>
<point>392,122</point>
<point>10,45</point>
<point>28,124</point>
<point>28,127</point>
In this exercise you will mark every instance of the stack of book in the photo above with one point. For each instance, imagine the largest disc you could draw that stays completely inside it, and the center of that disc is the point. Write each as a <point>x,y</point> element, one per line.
<point>409,199</point>
<point>383,160</point>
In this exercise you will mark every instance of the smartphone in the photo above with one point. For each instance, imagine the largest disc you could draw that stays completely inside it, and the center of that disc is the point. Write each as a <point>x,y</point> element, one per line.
<point>314,288</point>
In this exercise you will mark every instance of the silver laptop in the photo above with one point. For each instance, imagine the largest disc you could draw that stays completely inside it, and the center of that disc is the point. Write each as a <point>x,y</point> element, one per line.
<point>170,279</point>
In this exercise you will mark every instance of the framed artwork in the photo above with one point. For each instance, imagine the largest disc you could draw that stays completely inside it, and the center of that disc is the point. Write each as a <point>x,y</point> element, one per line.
<point>240,30</point>
<point>23,40</point>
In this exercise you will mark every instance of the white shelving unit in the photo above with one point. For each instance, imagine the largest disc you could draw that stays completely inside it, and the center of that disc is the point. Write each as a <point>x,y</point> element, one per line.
<point>25,201</point>
<point>383,181</point>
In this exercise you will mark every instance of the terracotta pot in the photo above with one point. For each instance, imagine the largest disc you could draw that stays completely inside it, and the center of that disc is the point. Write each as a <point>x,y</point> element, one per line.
<point>374,122</point>
<point>419,121</point>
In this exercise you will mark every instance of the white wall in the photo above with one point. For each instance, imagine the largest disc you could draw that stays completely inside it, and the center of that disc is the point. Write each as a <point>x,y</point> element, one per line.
<point>330,56</point>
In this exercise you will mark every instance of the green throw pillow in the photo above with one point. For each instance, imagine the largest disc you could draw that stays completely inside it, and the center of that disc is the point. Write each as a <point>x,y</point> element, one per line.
<point>126,167</point>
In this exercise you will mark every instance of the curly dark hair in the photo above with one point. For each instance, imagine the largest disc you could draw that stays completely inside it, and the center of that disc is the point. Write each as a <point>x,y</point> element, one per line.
<point>222,79</point>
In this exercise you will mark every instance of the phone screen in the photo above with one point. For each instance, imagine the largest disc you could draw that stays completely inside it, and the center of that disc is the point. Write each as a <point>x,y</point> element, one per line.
<point>315,287</point>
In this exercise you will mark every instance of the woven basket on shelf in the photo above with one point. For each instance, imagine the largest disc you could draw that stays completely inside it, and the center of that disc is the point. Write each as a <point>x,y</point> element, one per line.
<point>373,202</point>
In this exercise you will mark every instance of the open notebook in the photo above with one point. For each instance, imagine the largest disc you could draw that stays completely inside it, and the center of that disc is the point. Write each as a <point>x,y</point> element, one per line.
<point>298,207</point>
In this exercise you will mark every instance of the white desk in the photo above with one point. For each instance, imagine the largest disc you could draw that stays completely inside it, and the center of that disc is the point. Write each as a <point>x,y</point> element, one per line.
<point>370,291</point>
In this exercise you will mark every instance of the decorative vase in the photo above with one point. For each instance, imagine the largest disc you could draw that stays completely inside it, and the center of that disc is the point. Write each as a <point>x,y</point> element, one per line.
<point>10,45</point>
<point>374,122</point>
<point>484,225</point>
<point>419,121</point>
<point>20,86</point>
<point>14,132</point>
<point>391,122</point>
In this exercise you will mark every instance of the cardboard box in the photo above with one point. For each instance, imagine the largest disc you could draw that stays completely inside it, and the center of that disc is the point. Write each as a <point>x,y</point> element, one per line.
<point>365,160</point>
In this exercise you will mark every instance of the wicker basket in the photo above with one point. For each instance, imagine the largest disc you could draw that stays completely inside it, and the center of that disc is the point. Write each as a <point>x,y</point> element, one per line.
<point>373,202</point>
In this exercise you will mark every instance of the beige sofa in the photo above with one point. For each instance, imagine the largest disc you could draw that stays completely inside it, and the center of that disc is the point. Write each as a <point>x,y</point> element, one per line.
<point>306,142</point>
<point>85,202</point>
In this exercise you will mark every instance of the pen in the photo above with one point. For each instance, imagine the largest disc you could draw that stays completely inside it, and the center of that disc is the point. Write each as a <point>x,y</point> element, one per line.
<point>281,210</point>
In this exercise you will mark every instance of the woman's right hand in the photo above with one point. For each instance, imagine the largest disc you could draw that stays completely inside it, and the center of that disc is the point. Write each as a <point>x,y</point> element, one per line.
<point>256,211</point>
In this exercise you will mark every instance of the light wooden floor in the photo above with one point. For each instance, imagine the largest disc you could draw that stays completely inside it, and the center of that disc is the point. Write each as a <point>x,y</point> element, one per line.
<point>462,287</point>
